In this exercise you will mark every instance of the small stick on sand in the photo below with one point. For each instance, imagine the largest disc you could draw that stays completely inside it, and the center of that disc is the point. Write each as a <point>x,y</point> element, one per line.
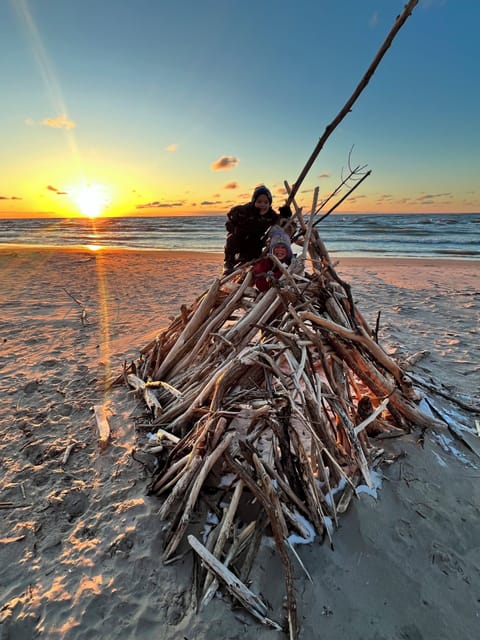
<point>102,425</point>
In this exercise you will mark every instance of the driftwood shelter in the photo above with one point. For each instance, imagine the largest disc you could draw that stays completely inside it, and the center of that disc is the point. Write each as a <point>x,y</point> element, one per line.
<point>263,408</point>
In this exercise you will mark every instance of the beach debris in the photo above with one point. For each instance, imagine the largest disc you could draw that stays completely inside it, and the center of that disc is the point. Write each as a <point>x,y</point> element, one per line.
<point>145,388</point>
<point>67,453</point>
<point>103,427</point>
<point>83,314</point>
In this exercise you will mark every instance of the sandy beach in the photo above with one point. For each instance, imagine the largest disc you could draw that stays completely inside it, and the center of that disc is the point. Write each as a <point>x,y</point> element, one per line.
<point>80,541</point>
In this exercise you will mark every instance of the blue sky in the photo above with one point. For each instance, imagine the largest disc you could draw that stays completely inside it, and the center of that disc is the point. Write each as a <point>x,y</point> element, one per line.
<point>157,107</point>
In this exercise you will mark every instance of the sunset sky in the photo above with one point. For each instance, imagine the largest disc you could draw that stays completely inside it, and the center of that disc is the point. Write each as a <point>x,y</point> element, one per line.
<point>166,107</point>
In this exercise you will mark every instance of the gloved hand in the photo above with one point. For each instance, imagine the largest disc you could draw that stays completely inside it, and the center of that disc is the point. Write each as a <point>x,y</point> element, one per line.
<point>285,211</point>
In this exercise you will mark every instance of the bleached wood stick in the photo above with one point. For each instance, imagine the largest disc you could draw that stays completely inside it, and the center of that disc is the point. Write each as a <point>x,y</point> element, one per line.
<point>161,433</point>
<point>168,387</point>
<point>181,486</point>
<point>363,339</point>
<point>102,425</point>
<point>225,529</point>
<point>194,492</point>
<point>381,407</point>
<point>247,598</point>
<point>310,223</point>
<point>310,487</point>
<point>233,367</point>
<point>252,318</point>
<point>67,453</point>
<point>151,400</point>
<point>194,323</point>
<point>280,533</point>
<point>237,548</point>
<point>170,477</point>
<point>347,495</point>
<point>223,312</point>
<point>298,211</point>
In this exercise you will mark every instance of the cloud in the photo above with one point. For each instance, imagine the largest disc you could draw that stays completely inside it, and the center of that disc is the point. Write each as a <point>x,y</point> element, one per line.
<point>171,147</point>
<point>324,175</point>
<point>208,203</point>
<point>156,204</point>
<point>430,197</point>
<point>10,198</point>
<point>60,122</point>
<point>57,191</point>
<point>232,185</point>
<point>224,163</point>
<point>29,122</point>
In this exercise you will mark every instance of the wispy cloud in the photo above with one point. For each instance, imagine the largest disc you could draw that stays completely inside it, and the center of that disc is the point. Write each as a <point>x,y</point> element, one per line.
<point>373,21</point>
<point>232,185</point>
<point>324,175</point>
<point>225,163</point>
<point>430,198</point>
<point>208,203</point>
<point>156,204</point>
<point>10,198</point>
<point>57,191</point>
<point>60,122</point>
<point>171,147</point>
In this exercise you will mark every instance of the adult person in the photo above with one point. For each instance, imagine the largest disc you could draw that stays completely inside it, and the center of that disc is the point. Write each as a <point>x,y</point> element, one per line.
<point>247,225</point>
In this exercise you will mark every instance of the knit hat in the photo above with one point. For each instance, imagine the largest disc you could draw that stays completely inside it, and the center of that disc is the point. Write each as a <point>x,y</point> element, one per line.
<point>261,191</point>
<point>279,237</point>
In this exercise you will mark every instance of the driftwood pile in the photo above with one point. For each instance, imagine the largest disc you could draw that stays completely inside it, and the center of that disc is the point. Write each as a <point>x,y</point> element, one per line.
<point>262,404</point>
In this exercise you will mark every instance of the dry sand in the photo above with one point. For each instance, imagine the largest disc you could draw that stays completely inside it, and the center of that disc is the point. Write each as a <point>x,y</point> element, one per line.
<point>80,542</point>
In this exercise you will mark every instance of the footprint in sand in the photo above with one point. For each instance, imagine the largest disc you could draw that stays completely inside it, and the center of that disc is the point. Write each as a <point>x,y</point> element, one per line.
<point>448,561</point>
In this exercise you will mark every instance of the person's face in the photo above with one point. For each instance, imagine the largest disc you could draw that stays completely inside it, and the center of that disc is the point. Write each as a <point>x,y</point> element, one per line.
<point>280,252</point>
<point>262,203</point>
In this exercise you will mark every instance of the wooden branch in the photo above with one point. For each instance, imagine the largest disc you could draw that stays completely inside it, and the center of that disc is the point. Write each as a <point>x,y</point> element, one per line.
<point>247,598</point>
<point>194,492</point>
<point>151,400</point>
<point>194,323</point>
<point>280,533</point>
<point>225,528</point>
<point>102,425</point>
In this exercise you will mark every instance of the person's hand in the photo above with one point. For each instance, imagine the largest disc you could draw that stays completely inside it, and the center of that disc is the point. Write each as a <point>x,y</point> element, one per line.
<point>285,211</point>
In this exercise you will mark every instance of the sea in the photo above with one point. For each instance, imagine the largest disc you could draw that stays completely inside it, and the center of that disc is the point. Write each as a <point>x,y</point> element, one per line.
<point>441,236</point>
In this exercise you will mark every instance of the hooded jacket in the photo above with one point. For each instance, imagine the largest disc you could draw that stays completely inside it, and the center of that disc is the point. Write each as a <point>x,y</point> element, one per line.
<point>247,220</point>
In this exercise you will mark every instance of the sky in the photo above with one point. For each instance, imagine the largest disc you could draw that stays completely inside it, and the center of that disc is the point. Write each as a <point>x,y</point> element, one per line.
<point>182,107</point>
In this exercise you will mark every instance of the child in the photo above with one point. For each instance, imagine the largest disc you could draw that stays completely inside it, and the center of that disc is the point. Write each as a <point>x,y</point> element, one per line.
<point>247,225</point>
<point>265,270</point>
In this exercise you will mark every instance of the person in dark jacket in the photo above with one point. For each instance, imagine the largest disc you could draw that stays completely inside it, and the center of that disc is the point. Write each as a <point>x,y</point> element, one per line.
<point>247,225</point>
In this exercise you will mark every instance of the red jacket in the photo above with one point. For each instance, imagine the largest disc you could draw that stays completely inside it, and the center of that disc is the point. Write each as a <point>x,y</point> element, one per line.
<point>264,272</point>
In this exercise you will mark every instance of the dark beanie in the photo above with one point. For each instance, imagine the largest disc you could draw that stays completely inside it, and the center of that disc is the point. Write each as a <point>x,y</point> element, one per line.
<point>261,191</point>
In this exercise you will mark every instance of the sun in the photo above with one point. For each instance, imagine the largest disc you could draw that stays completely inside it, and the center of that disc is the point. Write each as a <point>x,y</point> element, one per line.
<point>91,199</point>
